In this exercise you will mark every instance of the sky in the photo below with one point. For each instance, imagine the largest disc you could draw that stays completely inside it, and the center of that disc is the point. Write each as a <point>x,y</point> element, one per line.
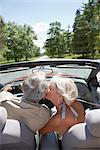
<point>40,13</point>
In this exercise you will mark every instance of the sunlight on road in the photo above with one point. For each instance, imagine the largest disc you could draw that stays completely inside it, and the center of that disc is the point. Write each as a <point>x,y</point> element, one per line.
<point>42,57</point>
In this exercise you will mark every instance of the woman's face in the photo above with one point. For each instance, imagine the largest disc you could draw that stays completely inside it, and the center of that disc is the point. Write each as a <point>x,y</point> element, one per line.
<point>54,96</point>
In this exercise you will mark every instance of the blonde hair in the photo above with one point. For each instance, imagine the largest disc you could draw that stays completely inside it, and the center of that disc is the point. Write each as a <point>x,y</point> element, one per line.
<point>65,87</point>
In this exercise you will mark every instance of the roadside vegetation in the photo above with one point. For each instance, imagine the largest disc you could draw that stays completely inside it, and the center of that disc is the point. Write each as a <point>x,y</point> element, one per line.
<point>17,41</point>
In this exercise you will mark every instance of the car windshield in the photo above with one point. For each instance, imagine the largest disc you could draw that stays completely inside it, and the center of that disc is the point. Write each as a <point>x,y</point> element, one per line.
<point>68,71</point>
<point>62,70</point>
<point>11,75</point>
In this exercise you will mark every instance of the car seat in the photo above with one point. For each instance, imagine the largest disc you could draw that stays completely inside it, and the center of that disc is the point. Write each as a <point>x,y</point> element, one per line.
<point>84,136</point>
<point>49,142</point>
<point>14,135</point>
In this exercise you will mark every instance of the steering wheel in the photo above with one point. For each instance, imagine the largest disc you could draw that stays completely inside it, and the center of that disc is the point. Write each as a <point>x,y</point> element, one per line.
<point>1,86</point>
<point>16,88</point>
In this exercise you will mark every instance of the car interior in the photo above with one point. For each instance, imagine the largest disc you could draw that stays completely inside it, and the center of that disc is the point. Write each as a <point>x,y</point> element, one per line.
<point>16,135</point>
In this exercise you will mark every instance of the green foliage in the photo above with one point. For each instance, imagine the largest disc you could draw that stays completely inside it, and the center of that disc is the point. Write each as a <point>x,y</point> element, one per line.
<point>2,39</point>
<point>36,51</point>
<point>80,39</point>
<point>18,41</point>
<point>87,30</point>
<point>57,42</point>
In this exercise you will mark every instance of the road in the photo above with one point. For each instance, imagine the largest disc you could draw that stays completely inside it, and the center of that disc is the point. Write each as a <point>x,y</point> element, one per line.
<point>42,57</point>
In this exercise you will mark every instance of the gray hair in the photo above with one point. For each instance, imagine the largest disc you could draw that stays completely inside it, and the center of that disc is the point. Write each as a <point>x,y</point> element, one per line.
<point>66,87</point>
<point>34,87</point>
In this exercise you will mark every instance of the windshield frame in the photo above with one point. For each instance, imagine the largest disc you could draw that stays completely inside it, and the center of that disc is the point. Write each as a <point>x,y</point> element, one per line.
<point>90,68</point>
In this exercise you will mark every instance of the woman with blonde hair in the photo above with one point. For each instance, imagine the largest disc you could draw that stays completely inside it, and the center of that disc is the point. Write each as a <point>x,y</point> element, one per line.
<point>63,93</point>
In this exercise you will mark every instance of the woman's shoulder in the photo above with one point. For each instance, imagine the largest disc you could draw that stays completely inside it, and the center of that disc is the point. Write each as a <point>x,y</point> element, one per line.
<point>77,105</point>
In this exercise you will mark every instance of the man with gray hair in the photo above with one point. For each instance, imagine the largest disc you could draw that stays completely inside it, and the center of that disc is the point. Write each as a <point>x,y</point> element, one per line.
<point>32,108</point>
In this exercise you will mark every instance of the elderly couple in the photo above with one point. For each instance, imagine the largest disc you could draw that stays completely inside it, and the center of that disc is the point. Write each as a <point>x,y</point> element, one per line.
<point>35,106</point>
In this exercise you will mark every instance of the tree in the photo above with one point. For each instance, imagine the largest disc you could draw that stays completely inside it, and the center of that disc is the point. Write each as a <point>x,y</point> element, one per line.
<point>56,43</point>
<point>77,18</point>
<point>80,41</point>
<point>27,39</point>
<point>91,13</point>
<point>2,39</point>
<point>80,38</point>
<point>97,25</point>
<point>12,38</point>
<point>36,51</point>
<point>20,41</point>
<point>86,29</point>
<point>68,39</point>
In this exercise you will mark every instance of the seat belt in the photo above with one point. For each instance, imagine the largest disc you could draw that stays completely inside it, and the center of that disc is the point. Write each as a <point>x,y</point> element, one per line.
<point>90,103</point>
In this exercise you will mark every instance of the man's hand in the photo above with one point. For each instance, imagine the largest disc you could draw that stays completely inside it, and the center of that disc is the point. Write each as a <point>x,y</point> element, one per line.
<point>7,88</point>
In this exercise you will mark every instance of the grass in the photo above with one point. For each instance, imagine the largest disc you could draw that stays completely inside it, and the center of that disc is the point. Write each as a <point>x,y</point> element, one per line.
<point>79,56</point>
<point>67,56</point>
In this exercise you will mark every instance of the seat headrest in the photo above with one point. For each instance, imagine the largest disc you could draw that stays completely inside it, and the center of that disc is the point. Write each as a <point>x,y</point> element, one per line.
<point>93,122</point>
<point>3,117</point>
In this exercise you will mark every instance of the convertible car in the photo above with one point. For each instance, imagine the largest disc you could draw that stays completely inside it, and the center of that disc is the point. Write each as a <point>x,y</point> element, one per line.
<point>84,136</point>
